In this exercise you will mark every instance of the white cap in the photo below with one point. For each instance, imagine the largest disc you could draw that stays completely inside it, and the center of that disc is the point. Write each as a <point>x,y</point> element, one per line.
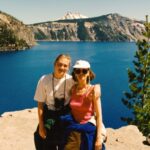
<point>81,64</point>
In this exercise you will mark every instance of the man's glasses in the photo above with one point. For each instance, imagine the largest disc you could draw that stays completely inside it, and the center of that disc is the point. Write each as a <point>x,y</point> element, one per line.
<point>61,64</point>
<point>83,71</point>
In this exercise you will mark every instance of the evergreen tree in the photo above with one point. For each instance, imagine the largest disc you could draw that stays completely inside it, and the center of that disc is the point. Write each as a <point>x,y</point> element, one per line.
<point>138,98</point>
<point>6,36</point>
<point>8,39</point>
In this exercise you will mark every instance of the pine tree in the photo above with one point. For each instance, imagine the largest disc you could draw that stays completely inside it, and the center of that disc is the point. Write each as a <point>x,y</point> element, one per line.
<point>138,98</point>
<point>8,39</point>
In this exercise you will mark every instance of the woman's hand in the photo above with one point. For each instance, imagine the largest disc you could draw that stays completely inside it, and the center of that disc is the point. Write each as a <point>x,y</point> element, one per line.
<point>98,144</point>
<point>42,132</point>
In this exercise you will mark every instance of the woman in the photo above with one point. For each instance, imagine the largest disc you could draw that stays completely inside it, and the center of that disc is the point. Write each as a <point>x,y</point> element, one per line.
<point>84,104</point>
<point>53,95</point>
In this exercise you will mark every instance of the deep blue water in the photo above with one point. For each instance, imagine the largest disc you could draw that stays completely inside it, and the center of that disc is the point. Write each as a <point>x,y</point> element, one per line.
<point>20,71</point>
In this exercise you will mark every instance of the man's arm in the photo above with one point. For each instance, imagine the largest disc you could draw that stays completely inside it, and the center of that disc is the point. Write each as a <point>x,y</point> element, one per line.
<point>42,130</point>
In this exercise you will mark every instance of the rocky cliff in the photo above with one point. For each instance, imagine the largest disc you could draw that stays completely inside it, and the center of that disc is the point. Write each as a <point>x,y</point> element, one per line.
<point>111,27</point>
<point>17,128</point>
<point>14,35</point>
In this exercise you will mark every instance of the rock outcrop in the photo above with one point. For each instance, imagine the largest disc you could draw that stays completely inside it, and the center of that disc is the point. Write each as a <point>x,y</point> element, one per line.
<point>14,35</point>
<point>126,138</point>
<point>17,128</point>
<point>111,27</point>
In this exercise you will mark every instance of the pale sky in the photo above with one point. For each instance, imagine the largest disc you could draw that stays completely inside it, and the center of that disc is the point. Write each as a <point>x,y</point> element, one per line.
<point>34,11</point>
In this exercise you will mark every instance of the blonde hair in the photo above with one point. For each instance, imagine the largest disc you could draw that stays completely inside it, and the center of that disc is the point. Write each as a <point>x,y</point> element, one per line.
<point>63,56</point>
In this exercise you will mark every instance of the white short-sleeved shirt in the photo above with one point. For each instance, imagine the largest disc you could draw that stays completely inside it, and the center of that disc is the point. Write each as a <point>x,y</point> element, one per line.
<point>44,90</point>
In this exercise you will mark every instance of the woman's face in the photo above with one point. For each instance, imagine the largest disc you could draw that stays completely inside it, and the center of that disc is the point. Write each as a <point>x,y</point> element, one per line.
<point>81,74</point>
<point>61,67</point>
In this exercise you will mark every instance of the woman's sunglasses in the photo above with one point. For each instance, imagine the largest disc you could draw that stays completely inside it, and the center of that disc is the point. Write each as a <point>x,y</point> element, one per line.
<point>78,71</point>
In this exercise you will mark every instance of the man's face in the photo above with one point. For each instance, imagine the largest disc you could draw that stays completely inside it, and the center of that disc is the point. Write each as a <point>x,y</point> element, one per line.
<point>61,67</point>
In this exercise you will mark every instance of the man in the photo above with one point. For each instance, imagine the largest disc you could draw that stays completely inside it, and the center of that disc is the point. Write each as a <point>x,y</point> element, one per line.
<point>53,95</point>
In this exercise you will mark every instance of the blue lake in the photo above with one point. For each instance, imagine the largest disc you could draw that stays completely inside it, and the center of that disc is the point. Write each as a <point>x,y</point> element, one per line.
<point>20,72</point>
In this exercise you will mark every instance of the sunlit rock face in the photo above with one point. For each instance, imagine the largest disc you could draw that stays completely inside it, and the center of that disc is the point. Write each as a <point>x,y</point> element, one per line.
<point>111,27</point>
<point>14,35</point>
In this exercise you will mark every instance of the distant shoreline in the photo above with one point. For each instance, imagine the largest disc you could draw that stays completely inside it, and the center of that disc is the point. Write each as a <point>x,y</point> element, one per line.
<point>88,41</point>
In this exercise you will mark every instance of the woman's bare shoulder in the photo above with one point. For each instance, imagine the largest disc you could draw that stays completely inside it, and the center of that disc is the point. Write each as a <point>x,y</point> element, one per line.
<point>97,90</point>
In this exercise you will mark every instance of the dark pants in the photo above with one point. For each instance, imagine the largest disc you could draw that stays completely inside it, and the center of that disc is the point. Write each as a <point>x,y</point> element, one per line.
<point>55,134</point>
<point>52,141</point>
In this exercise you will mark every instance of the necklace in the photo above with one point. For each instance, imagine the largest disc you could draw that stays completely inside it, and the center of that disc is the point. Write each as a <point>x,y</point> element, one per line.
<point>54,91</point>
<point>58,102</point>
<point>80,91</point>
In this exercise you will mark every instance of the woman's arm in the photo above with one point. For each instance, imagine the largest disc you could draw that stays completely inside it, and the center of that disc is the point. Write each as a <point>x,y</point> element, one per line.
<point>98,110</point>
<point>42,130</point>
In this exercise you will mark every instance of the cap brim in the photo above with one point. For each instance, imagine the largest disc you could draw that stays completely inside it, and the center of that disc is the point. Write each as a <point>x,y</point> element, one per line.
<point>81,66</point>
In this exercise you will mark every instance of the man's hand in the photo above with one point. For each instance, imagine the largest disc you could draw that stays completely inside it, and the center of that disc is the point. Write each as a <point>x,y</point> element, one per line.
<point>42,132</point>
